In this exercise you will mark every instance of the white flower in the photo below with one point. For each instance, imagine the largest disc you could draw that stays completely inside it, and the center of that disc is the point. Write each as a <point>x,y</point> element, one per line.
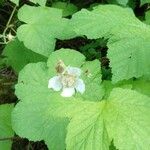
<point>10,37</point>
<point>68,81</point>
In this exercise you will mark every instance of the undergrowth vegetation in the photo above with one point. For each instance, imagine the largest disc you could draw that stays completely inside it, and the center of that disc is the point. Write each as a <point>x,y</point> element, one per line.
<point>74,75</point>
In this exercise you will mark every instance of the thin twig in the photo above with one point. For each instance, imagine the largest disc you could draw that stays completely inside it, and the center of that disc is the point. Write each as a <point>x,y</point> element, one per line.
<point>10,138</point>
<point>8,24</point>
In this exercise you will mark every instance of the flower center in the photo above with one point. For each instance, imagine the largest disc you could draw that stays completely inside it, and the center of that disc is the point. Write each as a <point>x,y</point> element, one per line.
<point>68,80</point>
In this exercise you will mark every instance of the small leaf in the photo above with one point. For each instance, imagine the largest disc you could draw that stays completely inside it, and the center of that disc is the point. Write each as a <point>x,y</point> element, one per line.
<point>144,2</point>
<point>40,2</point>
<point>5,126</point>
<point>15,2</point>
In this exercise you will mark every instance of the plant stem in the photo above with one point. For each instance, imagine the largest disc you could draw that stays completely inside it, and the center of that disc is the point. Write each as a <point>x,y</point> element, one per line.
<point>10,138</point>
<point>7,25</point>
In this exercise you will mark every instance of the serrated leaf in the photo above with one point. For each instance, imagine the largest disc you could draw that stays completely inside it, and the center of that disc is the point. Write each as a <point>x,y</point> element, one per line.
<point>104,19</point>
<point>18,55</point>
<point>127,57</point>
<point>87,131</point>
<point>43,126</point>
<point>40,2</point>
<point>34,77</point>
<point>43,26</point>
<point>127,119</point>
<point>45,122</point>
<point>5,126</point>
<point>15,2</point>
<point>124,118</point>
<point>68,8</point>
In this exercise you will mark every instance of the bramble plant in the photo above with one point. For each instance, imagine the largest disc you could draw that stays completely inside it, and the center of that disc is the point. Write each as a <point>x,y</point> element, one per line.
<point>91,96</point>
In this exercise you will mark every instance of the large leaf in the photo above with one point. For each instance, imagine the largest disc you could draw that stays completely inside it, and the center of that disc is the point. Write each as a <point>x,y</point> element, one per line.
<point>43,26</point>
<point>123,118</point>
<point>34,78</point>
<point>127,57</point>
<point>45,122</point>
<point>5,126</point>
<point>18,55</point>
<point>127,119</point>
<point>102,20</point>
<point>87,131</point>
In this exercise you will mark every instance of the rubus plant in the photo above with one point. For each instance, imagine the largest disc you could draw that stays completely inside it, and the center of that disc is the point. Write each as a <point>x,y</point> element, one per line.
<point>65,99</point>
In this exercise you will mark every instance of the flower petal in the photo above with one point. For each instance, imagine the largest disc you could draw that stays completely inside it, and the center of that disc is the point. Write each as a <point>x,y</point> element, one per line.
<point>67,92</point>
<point>80,86</point>
<point>74,71</point>
<point>55,83</point>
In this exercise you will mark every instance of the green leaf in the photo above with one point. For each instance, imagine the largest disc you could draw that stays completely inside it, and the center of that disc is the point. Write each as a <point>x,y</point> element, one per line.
<point>15,2</point>
<point>18,55</point>
<point>43,126</point>
<point>147,17</point>
<point>121,2</point>
<point>144,2</point>
<point>68,56</point>
<point>43,26</point>
<point>104,19</point>
<point>108,86</point>
<point>5,126</point>
<point>87,131</point>
<point>92,78</point>
<point>124,118</point>
<point>40,2</point>
<point>33,82</point>
<point>34,78</point>
<point>127,119</point>
<point>142,86</point>
<point>127,57</point>
<point>47,122</point>
<point>68,8</point>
